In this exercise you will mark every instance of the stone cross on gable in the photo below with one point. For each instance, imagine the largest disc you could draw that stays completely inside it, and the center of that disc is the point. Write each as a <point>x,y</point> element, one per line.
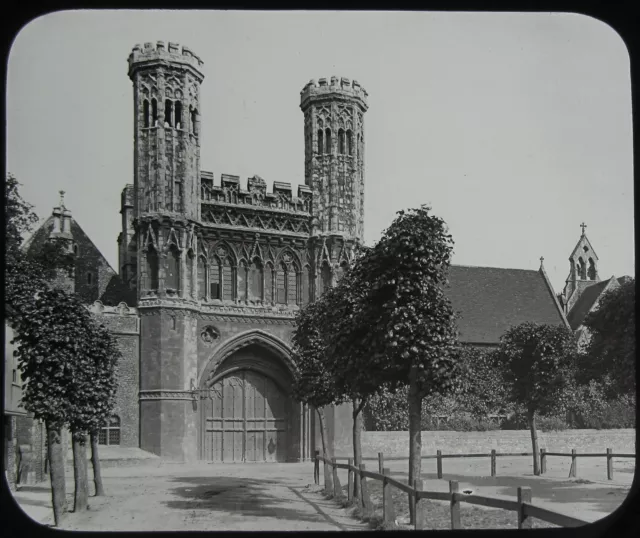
<point>583,226</point>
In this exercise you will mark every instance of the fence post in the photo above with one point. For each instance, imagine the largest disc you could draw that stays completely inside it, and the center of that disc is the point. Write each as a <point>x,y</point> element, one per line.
<point>316,468</point>
<point>493,462</point>
<point>439,459</point>
<point>337,489</point>
<point>573,471</point>
<point>350,481</point>
<point>543,460</point>
<point>524,496</point>
<point>420,510</point>
<point>455,505</point>
<point>388,510</point>
<point>609,464</point>
<point>364,494</point>
<point>380,462</point>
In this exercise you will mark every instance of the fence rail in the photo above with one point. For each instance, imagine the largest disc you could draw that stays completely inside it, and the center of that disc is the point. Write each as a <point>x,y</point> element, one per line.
<point>493,455</point>
<point>358,475</point>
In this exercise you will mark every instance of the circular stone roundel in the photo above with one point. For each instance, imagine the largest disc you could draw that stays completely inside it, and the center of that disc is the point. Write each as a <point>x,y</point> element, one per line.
<point>209,334</point>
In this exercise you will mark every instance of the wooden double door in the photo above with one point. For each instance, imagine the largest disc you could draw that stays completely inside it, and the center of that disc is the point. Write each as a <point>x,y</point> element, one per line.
<point>244,419</point>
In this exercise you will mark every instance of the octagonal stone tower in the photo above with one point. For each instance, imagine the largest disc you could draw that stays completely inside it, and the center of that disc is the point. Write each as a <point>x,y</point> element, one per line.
<point>334,154</point>
<point>166,83</point>
<point>334,170</point>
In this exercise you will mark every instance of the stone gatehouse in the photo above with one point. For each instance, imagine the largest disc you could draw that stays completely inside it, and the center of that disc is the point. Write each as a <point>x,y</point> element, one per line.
<point>211,273</point>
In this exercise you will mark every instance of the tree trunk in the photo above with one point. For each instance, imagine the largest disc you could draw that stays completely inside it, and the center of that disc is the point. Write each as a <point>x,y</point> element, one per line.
<point>326,450</point>
<point>415,433</point>
<point>56,472</point>
<point>95,463</point>
<point>357,441</point>
<point>81,481</point>
<point>531,417</point>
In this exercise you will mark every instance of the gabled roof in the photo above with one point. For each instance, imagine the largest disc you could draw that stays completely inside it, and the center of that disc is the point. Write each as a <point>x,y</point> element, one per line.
<point>491,300</point>
<point>111,289</point>
<point>588,300</point>
<point>583,239</point>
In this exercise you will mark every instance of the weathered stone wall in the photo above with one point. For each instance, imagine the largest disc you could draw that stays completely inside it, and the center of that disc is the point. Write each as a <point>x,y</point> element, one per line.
<point>397,443</point>
<point>123,324</point>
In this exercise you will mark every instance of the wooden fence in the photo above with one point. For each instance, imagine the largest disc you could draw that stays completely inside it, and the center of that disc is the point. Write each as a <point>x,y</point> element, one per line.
<point>416,496</point>
<point>493,455</point>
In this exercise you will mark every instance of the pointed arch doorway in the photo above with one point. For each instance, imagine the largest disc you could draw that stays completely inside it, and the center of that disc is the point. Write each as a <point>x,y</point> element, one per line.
<point>245,419</point>
<point>246,412</point>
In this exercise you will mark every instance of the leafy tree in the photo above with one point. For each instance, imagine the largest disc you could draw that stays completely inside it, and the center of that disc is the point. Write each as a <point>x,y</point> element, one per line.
<point>402,320</point>
<point>482,388</point>
<point>67,361</point>
<point>611,350</point>
<point>538,364</point>
<point>314,383</point>
<point>27,273</point>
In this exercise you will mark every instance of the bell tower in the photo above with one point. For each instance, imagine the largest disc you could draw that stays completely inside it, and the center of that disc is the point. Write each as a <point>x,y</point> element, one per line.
<point>583,271</point>
<point>334,170</point>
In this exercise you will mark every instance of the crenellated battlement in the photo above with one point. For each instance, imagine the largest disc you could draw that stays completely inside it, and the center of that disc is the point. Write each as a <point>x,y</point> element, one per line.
<point>158,51</point>
<point>336,86</point>
<point>230,191</point>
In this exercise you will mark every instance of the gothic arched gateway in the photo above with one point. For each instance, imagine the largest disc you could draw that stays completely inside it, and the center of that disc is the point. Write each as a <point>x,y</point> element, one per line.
<point>246,410</point>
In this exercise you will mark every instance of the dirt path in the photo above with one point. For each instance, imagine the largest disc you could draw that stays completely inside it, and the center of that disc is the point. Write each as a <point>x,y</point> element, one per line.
<point>212,497</point>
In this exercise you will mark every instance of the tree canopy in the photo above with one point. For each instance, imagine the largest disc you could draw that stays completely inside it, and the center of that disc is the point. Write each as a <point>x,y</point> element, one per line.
<point>611,350</point>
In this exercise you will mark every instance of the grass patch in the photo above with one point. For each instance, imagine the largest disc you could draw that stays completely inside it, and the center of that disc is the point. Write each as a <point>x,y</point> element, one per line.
<point>439,513</point>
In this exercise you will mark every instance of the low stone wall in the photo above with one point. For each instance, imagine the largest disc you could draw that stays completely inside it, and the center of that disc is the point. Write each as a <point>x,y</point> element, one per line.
<point>397,443</point>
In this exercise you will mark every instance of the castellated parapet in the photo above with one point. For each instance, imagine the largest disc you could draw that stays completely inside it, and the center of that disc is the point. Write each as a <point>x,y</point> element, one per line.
<point>335,89</point>
<point>158,52</point>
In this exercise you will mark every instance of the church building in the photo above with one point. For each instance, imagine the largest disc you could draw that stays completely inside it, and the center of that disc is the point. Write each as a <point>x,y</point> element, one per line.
<point>212,272</point>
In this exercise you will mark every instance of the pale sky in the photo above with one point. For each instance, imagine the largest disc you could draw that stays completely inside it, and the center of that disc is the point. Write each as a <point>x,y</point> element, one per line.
<point>515,127</point>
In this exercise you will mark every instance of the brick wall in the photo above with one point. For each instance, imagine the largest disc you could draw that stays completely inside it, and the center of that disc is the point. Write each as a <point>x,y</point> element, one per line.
<point>397,443</point>
<point>10,450</point>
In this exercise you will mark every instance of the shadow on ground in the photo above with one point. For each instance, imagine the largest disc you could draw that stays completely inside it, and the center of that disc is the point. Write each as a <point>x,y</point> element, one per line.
<point>246,497</point>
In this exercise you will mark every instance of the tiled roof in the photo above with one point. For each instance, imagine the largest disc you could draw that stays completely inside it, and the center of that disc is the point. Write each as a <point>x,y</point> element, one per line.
<point>584,303</point>
<point>492,300</point>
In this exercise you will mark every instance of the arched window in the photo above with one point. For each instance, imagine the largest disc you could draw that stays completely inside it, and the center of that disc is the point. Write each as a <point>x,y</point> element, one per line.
<point>292,285</point>
<point>242,281</point>
<point>145,112</point>
<point>215,276</point>
<point>202,278</point>
<point>268,283</point>
<point>152,269</point>
<point>168,112</point>
<point>172,280</point>
<point>306,287</point>
<point>341,144</point>
<point>592,269</point>
<point>227,281</point>
<point>194,120</point>
<point>327,141</point>
<point>255,281</point>
<point>320,143</point>
<point>190,290</point>
<point>89,278</point>
<point>350,142</point>
<point>154,112</point>
<point>178,115</point>
<point>582,268</point>
<point>110,434</point>
<point>281,284</point>
<point>177,193</point>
